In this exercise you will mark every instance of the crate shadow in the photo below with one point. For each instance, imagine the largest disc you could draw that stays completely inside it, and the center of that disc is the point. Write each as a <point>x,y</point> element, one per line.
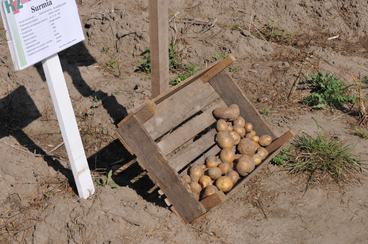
<point>126,171</point>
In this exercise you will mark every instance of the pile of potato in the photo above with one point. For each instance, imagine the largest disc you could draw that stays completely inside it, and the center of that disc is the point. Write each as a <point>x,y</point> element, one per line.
<point>242,151</point>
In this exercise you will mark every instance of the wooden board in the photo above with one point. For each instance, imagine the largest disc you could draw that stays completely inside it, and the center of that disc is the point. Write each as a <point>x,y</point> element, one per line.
<point>189,130</point>
<point>194,150</point>
<point>179,107</point>
<point>150,158</point>
<point>232,94</point>
<point>159,45</point>
<point>213,200</point>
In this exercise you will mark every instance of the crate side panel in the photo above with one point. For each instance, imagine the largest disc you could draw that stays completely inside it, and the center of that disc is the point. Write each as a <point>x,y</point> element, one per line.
<point>160,172</point>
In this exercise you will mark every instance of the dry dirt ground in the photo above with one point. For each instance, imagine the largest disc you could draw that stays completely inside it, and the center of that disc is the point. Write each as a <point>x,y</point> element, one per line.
<point>275,42</point>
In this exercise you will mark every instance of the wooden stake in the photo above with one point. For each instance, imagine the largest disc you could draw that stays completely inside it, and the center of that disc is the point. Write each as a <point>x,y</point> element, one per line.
<point>68,126</point>
<point>159,45</point>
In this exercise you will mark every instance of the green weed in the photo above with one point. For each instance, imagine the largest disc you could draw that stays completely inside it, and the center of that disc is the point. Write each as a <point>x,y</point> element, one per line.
<point>107,180</point>
<point>327,90</point>
<point>265,111</point>
<point>320,157</point>
<point>174,60</point>
<point>282,158</point>
<point>189,70</point>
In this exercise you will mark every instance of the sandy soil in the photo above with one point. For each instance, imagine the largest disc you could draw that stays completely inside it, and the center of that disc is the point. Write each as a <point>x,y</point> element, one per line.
<point>38,202</point>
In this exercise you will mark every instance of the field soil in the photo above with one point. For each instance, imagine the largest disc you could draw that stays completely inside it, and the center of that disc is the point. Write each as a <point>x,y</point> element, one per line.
<point>276,42</point>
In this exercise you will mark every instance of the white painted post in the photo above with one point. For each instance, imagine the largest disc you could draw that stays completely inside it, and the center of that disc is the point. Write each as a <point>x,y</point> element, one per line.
<point>68,126</point>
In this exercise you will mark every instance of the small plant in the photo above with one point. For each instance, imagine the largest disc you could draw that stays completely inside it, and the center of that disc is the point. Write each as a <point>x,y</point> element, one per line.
<point>174,60</point>
<point>320,157</point>
<point>361,132</point>
<point>219,55</point>
<point>189,70</point>
<point>282,158</point>
<point>265,111</point>
<point>327,90</point>
<point>145,66</point>
<point>233,69</point>
<point>106,180</point>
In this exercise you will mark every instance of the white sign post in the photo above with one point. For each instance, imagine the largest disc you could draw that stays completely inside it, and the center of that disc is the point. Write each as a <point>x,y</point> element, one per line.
<point>36,31</point>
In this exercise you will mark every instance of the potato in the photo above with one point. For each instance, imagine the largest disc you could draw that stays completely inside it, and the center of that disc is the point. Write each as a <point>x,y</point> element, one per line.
<point>225,168</point>
<point>231,113</point>
<point>227,155</point>
<point>196,172</point>
<point>224,183</point>
<point>265,140</point>
<point>224,139</point>
<point>257,159</point>
<point>221,125</point>
<point>248,147</point>
<point>230,127</point>
<point>255,138</point>
<point>214,173</point>
<point>205,181</point>
<point>235,111</point>
<point>212,161</point>
<point>186,179</point>
<point>239,122</point>
<point>210,190</point>
<point>240,130</point>
<point>234,176</point>
<point>262,152</point>
<point>251,134</point>
<point>248,127</point>
<point>195,187</point>
<point>236,137</point>
<point>245,166</point>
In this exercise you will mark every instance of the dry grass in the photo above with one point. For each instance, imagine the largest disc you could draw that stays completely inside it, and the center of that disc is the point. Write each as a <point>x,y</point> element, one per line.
<point>321,157</point>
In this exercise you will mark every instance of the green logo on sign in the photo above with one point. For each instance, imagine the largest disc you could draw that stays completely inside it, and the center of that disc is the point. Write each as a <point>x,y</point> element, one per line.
<point>14,6</point>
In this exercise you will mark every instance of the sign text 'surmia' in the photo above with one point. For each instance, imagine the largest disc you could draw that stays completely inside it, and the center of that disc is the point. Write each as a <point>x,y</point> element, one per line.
<point>14,6</point>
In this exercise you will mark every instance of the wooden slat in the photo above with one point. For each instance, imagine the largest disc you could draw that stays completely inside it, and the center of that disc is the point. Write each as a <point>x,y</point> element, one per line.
<point>232,94</point>
<point>159,45</point>
<point>213,200</point>
<point>276,147</point>
<point>212,152</point>
<point>188,154</point>
<point>160,172</point>
<point>147,111</point>
<point>279,142</point>
<point>206,73</point>
<point>189,130</point>
<point>218,68</point>
<point>179,107</point>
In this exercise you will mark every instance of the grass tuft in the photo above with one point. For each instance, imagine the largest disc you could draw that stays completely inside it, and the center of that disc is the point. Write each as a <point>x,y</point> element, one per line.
<point>320,157</point>
<point>327,90</point>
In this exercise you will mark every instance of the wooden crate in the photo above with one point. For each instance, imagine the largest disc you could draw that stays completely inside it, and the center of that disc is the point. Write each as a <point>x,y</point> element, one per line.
<point>177,129</point>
